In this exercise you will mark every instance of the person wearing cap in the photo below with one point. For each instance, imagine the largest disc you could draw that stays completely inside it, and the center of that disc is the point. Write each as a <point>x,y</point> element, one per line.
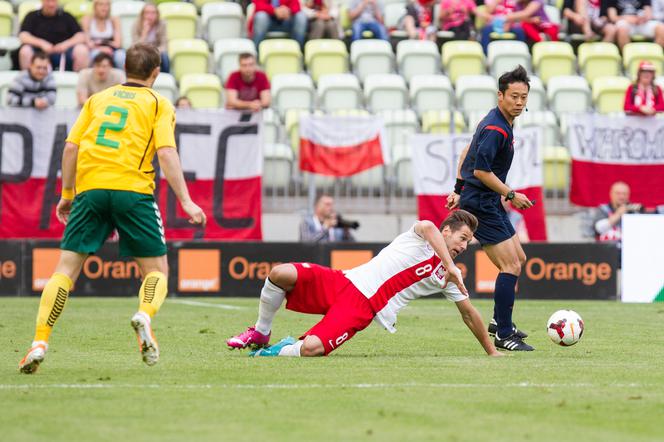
<point>644,97</point>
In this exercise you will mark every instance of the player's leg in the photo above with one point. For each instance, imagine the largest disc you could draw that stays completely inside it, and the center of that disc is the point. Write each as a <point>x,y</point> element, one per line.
<point>282,279</point>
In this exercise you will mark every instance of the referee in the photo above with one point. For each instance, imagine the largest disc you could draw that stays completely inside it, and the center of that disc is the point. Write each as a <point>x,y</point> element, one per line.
<point>483,168</point>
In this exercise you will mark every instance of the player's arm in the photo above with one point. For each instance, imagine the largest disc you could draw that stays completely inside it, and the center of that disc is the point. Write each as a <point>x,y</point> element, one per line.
<point>453,198</point>
<point>69,156</point>
<point>431,234</point>
<point>169,161</point>
<point>233,102</point>
<point>472,318</point>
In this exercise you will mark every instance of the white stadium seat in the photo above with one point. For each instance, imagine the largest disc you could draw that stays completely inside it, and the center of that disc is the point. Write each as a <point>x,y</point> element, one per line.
<point>292,91</point>
<point>568,93</point>
<point>339,91</point>
<point>371,56</point>
<point>226,54</point>
<point>385,92</point>
<point>431,92</point>
<point>417,57</point>
<point>476,93</point>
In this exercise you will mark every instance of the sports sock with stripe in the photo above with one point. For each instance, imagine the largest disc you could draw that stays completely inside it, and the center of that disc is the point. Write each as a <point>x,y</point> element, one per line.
<point>153,292</point>
<point>504,302</point>
<point>271,298</point>
<point>52,302</point>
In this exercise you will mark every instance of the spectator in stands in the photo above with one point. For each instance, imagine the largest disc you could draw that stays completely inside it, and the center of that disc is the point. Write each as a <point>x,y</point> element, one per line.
<point>418,20</point>
<point>183,103</point>
<point>495,16</point>
<point>56,33</point>
<point>517,221</point>
<point>658,10</point>
<point>531,16</point>
<point>248,88</point>
<point>100,76</point>
<point>34,87</point>
<point>587,17</point>
<point>149,28</point>
<point>279,15</point>
<point>323,19</point>
<point>607,221</point>
<point>634,17</point>
<point>323,226</point>
<point>103,33</point>
<point>456,16</point>
<point>367,15</point>
<point>644,97</point>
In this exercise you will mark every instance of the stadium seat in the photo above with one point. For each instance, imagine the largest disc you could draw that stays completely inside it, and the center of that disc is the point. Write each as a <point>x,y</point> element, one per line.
<point>6,79</point>
<point>536,95</point>
<point>6,19</point>
<point>278,161</point>
<point>635,53</point>
<point>127,11</point>
<point>166,85</point>
<point>429,92</point>
<point>402,168</point>
<point>399,126</point>
<point>659,81</point>
<point>222,20</point>
<point>350,113</point>
<point>556,168</point>
<point>271,129</point>
<point>553,13</point>
<point>203,90</point>
<point>25,7</point>
<point>7,45</point>
<point>78,9</point>
<point>393,13</point>
<point>439,122</point>
<point>385,92</point>
<point>292,91</point>
<point>546,120</point>
<point>462,58</point>
<point>371,56</point>
<point>599,59</point>
<point>280,56</point>
<point>226,53</point>
<point>609,94</point>
<point>65,83</point>
<point>474,118</point>
<point>552,59</point>
<point>292,126</point>
<point>415,57</point>
<point>180,18</point>
<point>568,93</point>
<point>505,55</point>
<point>476,93</point>
<point>325,56</point>
<point>188,56</point>
<point>339,91</point>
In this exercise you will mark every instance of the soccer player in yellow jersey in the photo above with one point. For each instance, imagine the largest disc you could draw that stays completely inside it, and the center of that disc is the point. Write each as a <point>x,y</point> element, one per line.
<point>107,183</point>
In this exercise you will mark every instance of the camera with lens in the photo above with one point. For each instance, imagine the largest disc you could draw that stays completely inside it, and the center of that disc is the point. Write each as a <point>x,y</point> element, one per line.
<point>347,223</point>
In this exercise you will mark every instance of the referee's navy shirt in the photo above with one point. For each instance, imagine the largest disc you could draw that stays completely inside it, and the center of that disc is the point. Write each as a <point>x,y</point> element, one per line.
<point>491,150</point>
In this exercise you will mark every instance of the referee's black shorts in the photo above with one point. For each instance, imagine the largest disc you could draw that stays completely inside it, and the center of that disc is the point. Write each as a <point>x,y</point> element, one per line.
<point>494,224</point>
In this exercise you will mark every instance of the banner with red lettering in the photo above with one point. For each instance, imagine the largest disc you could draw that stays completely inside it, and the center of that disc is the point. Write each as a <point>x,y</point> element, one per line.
<point>435,162</point>
<point>220,152</point>
<point>607,149</point>
<point>341,146</point>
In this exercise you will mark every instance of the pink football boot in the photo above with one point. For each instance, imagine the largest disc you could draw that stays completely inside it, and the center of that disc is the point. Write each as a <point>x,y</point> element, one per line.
<point>250,338</point>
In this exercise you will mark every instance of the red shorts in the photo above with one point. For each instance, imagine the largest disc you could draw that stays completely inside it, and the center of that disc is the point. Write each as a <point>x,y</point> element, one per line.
<point>321,290</point>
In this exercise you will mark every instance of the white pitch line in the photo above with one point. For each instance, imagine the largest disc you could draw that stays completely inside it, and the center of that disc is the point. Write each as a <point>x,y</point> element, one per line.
<point>206,304</point>
<point>308,386</point>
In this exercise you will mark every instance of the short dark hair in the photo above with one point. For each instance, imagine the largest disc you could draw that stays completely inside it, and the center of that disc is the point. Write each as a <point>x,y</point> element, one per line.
<point>518,75</point>
<point>320,196</point>
<point>100,57</point>
<point>142,59</point>
<point>245,55</point>
<point>458,219</point>
<point>38,55</point>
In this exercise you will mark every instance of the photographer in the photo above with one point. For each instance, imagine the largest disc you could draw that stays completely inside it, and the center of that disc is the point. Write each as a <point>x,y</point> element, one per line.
<point>607,221</point>
<point>325,225</point>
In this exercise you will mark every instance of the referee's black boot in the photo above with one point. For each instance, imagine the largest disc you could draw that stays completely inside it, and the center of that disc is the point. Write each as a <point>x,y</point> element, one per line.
<point>493,327</point>
<point>512,343</point>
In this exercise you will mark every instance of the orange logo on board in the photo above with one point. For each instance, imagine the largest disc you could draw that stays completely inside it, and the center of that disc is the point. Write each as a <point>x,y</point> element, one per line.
<point>348,259</point>
<point>43,265</point>
<point>485,273</point>
<point>199,270</point>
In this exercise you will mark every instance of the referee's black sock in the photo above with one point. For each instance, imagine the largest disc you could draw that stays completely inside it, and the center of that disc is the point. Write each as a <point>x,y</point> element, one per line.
<point>504,302</point>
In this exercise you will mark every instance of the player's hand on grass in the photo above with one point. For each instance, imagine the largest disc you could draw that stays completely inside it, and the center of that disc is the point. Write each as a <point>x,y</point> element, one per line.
<point>521,201</point>
<point>63,209</point>
<point>196,214</point>
<point>453,201</point>
<point>454,275</point>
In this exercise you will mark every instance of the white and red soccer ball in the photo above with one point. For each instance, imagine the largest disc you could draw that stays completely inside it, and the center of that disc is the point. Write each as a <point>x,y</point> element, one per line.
<point>565,327</point>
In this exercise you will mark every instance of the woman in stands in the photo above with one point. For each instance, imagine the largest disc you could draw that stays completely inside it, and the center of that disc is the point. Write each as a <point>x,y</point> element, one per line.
<point>102,32</point>
<point>149,28</point>
<point>587,17</point>
<point>418,21</point>
<point>530,14</point>
<point>644,97</point>
<point>457,16</point>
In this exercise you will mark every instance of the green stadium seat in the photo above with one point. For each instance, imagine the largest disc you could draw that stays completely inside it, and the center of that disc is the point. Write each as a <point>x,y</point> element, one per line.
<point>25,7</point>
<point>635,53</point>
<point>461,58</point>
<point>188,56</point>
<point>599,59</point>
<point>79,9</point>
<point>325,56</point>
<point>222,20</point>
<point>280,56</point>
<point>226,53</point>
<point>440,122</point>
<point>203,90</point>
<point>6,19</point>
<point>609,94</point>
<point>552,59</point>
<point>556,168</point>
<point>180,18</point>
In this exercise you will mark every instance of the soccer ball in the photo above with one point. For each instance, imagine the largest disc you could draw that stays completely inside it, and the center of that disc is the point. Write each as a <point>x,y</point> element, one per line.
<point>565,327</point>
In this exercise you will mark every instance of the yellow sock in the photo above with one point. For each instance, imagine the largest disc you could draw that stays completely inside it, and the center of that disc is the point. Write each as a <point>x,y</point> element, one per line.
<point>153,292</point>
<point>52,303</point>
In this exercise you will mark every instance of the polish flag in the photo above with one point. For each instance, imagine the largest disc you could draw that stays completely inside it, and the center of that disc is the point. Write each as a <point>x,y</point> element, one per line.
<point>341,146</point>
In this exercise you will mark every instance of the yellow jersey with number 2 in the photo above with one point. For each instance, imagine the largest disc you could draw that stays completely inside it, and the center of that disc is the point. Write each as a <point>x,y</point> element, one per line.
<point>117,133</point>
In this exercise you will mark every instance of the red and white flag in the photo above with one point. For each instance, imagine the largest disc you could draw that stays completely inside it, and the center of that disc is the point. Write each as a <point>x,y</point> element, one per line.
<point>341,146</point>
<point>435,162</point>
<point>608,149</point>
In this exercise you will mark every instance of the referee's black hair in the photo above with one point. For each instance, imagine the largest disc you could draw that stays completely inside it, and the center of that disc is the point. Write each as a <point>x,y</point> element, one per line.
<point>518,75</point>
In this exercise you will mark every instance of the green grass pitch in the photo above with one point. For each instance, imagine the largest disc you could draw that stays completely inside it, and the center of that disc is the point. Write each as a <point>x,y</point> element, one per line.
<point>430,381</point>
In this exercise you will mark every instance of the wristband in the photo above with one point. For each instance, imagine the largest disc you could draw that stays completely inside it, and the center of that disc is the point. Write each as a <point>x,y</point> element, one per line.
<point>67,194</point>
<point>458,186</point>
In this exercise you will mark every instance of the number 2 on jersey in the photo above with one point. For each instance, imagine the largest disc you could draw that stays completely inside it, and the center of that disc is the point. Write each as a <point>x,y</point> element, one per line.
<point>115,127</point>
